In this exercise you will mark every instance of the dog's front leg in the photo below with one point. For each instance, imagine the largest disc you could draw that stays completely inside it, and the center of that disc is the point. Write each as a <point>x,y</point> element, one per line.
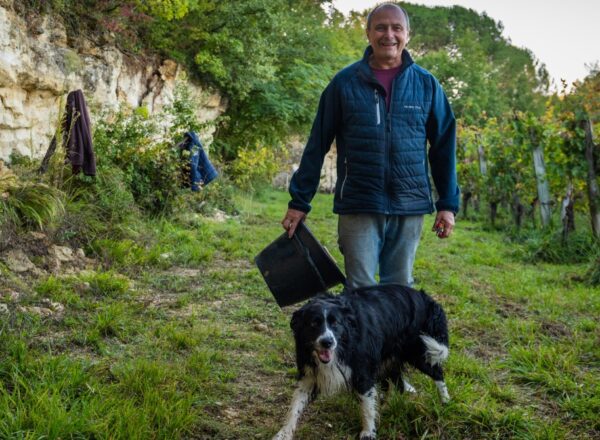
<point>302,396</point>
<point>368,407</point>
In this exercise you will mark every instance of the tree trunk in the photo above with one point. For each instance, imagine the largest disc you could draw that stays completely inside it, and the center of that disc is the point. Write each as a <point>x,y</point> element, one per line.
<point>493,212</point>
<point>542,185</point>
<point>466,197</point>
<point>592,183</point>
<point>518,211</point>
<point>49,152</point>
<point>567,214</point>
<point>482,162</point>
<point>475,203</point>
<point>535,202</point>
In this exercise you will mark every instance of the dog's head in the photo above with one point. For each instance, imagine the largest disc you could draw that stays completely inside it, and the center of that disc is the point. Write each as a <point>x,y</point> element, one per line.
<point>321,326</point>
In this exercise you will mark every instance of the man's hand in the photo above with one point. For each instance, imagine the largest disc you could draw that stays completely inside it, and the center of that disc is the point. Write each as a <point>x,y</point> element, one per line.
<point>444,224</point>
<point>291,220</point>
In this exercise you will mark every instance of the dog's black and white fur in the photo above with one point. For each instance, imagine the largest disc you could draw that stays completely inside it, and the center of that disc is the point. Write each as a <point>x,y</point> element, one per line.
<point>355,340</point>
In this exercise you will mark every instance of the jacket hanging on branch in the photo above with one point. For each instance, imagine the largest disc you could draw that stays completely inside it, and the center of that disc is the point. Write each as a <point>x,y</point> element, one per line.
<point>79,136</point>
<point>201,171</point>
<point>76,137</point>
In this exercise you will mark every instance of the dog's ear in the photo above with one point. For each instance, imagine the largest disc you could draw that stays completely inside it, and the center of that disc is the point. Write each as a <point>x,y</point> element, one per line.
<point>296,320</point>
<point>348,312</point>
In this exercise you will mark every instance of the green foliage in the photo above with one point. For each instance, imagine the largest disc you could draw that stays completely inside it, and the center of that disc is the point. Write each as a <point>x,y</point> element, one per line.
<point>30,205</point>
<point>25,201</point>
<point>549,246</point>
<point>220,195</point>
<point>140,155</point>
<point>593,274</point>
<point>181,114</point>
<point>107,284</point>
<point>151,167</point>
<point>165,9</point>
<point>272,59</point>
<point>483,74</point>
<point>254,167</point>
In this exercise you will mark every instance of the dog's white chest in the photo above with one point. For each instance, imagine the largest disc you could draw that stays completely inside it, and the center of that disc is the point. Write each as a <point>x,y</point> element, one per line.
<point>331,378</point>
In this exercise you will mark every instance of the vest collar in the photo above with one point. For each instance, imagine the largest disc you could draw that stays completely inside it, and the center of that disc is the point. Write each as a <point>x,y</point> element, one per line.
<point>366,73</point>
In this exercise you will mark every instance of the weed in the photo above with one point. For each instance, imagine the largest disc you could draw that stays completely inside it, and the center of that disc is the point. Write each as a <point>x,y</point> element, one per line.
<point>107,284</point>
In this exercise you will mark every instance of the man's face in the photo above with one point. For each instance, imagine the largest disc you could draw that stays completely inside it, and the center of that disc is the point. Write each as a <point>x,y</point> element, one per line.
<point>388,35</point>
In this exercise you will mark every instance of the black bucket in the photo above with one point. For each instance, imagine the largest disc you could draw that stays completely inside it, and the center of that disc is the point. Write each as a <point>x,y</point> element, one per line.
<point>297,268</point>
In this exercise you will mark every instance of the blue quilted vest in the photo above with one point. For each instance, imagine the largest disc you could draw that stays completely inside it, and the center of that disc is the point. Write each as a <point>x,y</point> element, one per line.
<point>383,162</point>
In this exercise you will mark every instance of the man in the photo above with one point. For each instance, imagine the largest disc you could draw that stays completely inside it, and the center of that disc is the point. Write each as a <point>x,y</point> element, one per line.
<point>382,111</point>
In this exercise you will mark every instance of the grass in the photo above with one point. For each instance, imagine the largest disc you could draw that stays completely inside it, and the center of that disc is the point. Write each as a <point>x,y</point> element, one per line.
<point>177,336</point>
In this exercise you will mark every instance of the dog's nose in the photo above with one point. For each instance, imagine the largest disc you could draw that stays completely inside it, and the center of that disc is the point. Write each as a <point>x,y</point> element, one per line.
<point>326,342</point>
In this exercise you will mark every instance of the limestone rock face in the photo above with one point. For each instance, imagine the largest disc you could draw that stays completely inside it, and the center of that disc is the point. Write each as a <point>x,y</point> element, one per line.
<point>295,147</point>
<point>38,68</point>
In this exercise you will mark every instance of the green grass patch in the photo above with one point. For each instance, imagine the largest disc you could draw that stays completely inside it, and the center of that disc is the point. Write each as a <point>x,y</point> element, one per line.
<point>177,336</point>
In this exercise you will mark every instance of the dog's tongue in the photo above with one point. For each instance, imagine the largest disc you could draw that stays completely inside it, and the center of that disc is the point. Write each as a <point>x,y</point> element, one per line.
<point>324,355</point>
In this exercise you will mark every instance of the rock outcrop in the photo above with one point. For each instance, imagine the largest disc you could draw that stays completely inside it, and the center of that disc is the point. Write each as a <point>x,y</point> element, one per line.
<point>295,147</point>
<point>39,66</point>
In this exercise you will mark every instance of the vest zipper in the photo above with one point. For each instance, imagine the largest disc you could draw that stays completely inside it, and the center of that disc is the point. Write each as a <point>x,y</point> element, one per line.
<point>388,146</point>
<point>345,177</point>
<point>377,107</point>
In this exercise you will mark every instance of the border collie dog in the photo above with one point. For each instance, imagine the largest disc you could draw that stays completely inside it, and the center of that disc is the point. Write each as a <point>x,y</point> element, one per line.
<point>360,338</point>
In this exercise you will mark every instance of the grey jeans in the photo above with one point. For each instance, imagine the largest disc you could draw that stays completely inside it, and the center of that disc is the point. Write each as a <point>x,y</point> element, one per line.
<point>372,241</point>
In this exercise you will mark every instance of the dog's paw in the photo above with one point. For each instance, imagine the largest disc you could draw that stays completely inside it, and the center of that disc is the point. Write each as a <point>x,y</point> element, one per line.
<point>368,435</point>
<point>408,388</point>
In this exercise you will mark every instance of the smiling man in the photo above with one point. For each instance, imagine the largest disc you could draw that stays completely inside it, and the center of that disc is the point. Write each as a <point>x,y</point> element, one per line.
<point>393,127</point>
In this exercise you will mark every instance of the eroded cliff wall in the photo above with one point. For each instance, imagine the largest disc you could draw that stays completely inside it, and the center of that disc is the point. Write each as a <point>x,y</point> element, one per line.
<point>39,66</point>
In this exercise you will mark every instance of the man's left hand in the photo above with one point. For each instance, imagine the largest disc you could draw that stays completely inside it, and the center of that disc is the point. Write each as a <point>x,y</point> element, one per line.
<point>444,224</point>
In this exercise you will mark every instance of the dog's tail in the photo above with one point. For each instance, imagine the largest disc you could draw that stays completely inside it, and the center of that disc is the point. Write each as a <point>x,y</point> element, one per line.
<point>435,352</point>
<point>435,336</point>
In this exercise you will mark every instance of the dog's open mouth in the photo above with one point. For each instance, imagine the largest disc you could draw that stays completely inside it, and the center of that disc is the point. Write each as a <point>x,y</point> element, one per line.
<point>324,355</point>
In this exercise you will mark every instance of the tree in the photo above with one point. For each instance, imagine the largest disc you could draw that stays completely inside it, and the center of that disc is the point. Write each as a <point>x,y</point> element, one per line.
<point>581,109</point>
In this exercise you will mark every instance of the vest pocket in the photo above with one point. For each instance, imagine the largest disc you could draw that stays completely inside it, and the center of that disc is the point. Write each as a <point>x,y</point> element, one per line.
<point>413,113</point>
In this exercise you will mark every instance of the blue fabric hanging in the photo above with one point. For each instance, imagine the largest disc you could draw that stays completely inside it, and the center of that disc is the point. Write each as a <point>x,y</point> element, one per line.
<point>202,172</point>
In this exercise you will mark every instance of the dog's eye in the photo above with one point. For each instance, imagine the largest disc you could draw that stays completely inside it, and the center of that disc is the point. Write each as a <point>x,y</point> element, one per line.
<point>331,320</point>
<point>315,323</point>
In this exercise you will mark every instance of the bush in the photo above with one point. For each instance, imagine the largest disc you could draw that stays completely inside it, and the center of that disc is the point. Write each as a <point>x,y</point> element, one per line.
<point>593,274</point>
<point>27,204</point>
<point>254,168</point>
<point>549,247</point>
<point>151,167</point>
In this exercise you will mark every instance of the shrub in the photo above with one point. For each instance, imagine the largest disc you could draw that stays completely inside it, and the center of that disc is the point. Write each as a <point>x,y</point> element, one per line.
<point>27,204</point>
<point>254,167</point>
<point>151,167</point>
<point>548,246</point>
<point>593,274</point>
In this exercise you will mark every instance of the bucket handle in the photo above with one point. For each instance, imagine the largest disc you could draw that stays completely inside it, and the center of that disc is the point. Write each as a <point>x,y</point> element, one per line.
<point>311,263</point>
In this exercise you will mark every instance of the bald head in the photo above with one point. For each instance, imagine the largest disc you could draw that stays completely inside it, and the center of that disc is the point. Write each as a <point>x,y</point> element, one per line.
<point>384,7</point>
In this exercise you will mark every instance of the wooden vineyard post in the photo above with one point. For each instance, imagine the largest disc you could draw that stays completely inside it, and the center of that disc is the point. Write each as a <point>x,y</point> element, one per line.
<point>542,185</point>
<point>592,183</point>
